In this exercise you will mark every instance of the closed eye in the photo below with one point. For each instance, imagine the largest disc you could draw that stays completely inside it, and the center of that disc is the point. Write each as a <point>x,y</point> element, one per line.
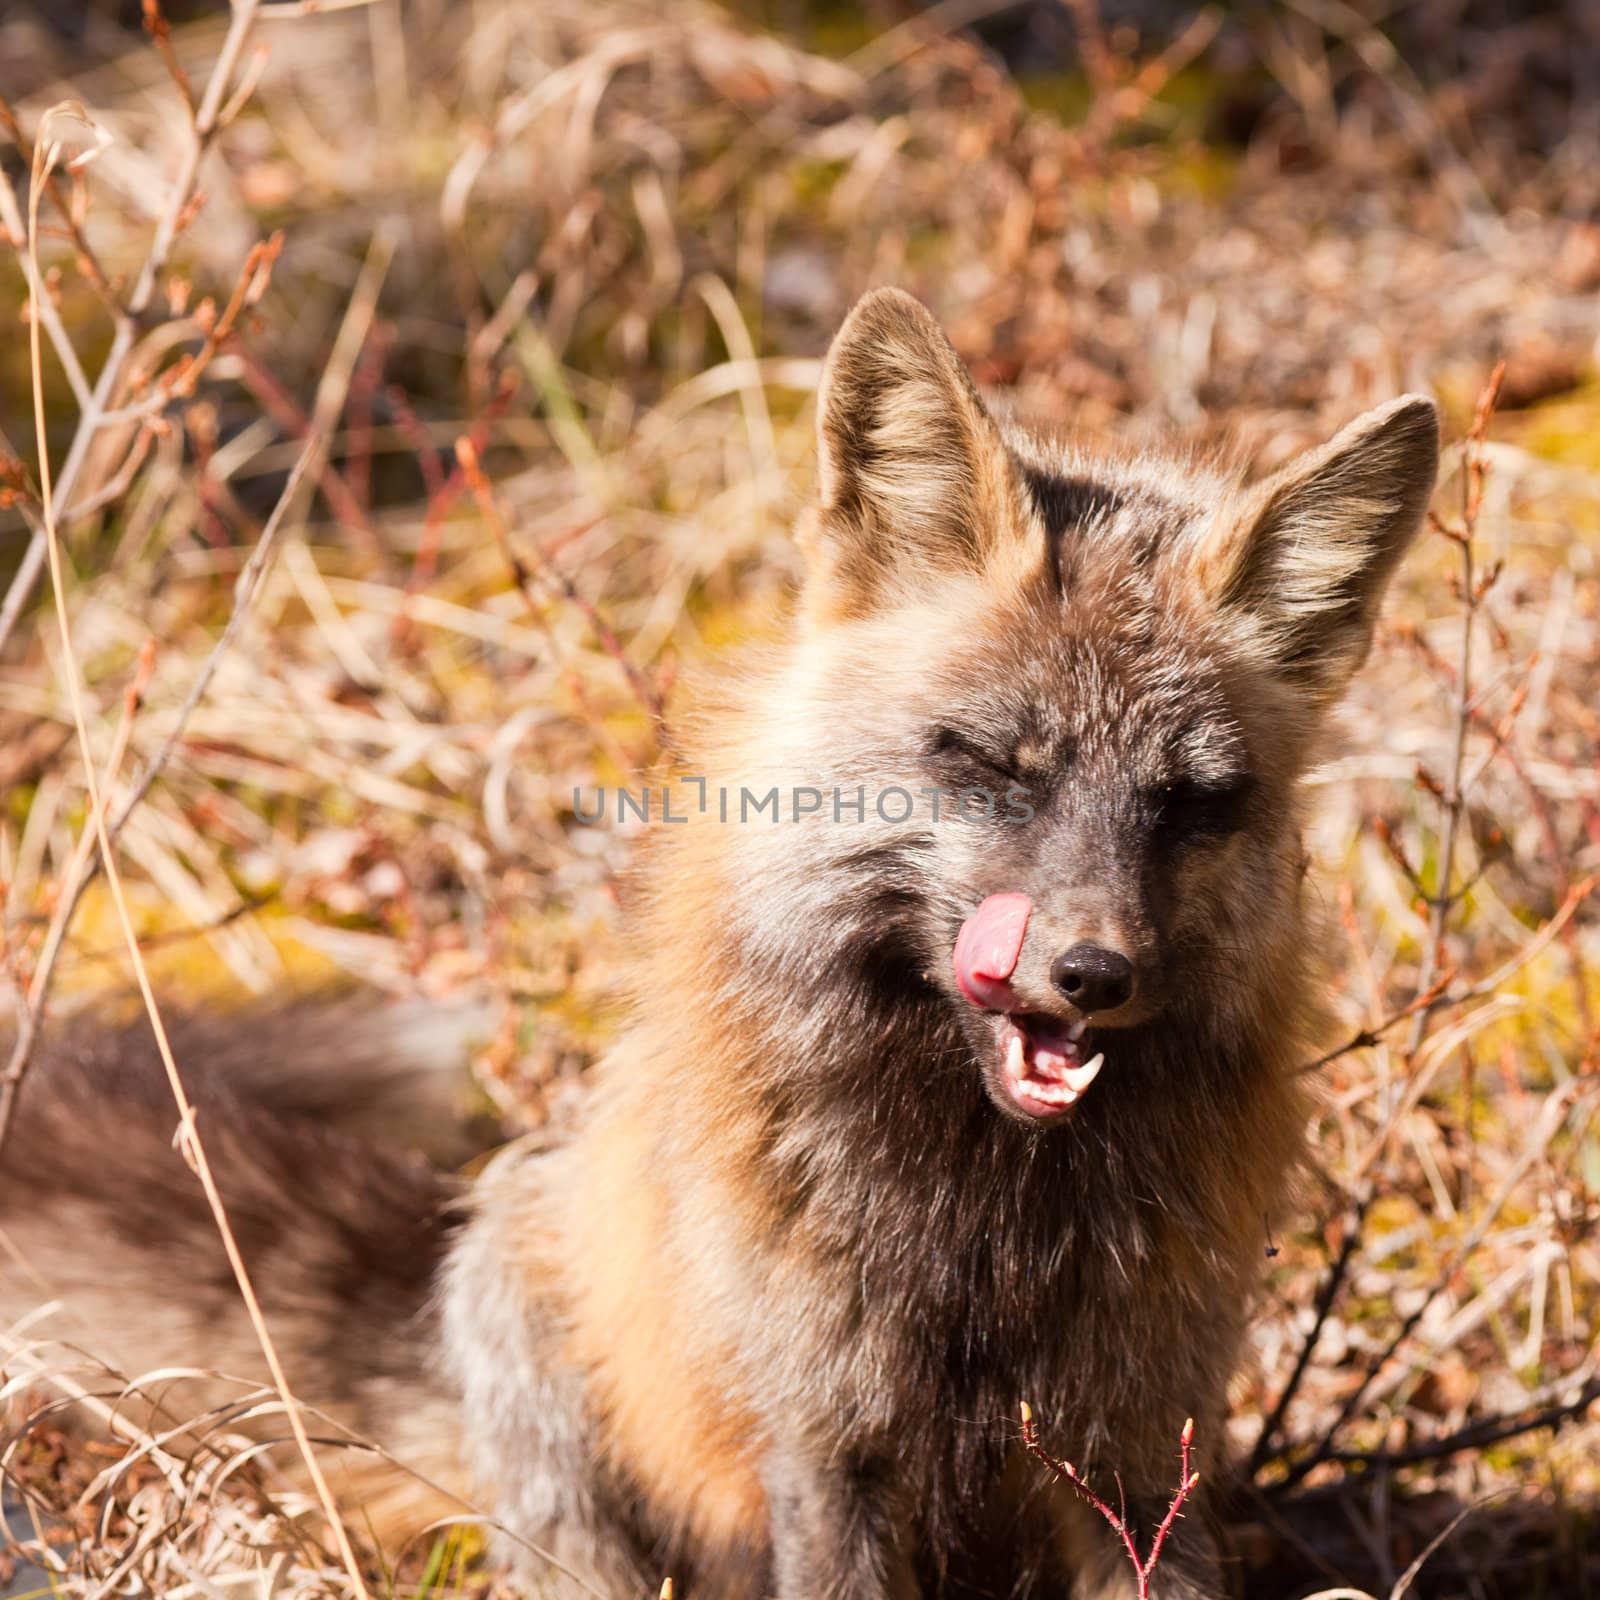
<point>950,748</point>
<point>1192,811</point>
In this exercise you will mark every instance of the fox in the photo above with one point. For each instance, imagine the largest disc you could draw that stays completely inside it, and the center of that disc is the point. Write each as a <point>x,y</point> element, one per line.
<point>919,1113</point>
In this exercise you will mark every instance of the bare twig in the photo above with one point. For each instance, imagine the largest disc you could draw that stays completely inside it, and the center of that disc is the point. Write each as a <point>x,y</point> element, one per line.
<point>206,122</point>
<point>1475,467</point>
<point>160,31</point>
<point>40,302</point>
<point>176,936</point>
<point>443,489</point>
<point>1326,1295</point>
<point>78,873</point>
<point>1557,1108</point>
<point>342,501</point>
<point>88,259</point>
<point>1436,994</point>
<point>1064,1470</point>
<point>1477,1435</point>
<point>648,695</point>
<point>189,1137</point>
<point>330,398</point>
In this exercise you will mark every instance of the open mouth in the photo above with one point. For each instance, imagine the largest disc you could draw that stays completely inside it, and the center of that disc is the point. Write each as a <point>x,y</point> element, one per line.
<point>1045,1064</point>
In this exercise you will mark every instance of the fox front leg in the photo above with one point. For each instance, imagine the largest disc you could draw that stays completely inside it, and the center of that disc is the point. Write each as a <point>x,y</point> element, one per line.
<point>840,1529</point>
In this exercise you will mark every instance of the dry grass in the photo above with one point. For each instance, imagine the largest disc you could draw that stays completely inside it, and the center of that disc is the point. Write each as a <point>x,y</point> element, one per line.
<point>604,245</point>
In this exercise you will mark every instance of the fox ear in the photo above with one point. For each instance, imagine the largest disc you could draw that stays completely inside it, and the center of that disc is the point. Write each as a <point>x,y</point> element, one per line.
<point>1306,559</point>
<point>913,474</point>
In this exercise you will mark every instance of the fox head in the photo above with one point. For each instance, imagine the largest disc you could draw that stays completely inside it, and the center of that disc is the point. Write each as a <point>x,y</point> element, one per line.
<point>1110,675</point>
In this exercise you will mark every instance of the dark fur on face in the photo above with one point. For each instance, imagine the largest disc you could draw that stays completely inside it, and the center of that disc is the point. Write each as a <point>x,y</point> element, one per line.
<point>1128,659</point>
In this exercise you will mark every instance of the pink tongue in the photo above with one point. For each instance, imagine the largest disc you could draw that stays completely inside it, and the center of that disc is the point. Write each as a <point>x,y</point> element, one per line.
<point>987,949</point>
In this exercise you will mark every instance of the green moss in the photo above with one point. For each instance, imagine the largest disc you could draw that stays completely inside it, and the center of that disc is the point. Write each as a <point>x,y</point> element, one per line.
<point>1565,429</point>
<point>18,802</point>
<point>1207,172</point>
<point>1063,95</point>
<point>451,1557</point>
<point>813,182</point>
<point>725,623</point>
<point>828,28</point>
<point>1589,1163</point>
<point>340,808</point>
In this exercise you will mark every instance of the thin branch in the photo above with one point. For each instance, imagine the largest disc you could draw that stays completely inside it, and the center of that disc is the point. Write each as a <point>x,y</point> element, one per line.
<point>1475,467</point>
<point>1365,1038</point>
<point>325,411</point>
<point>189,1138</point>
<point>1477,1435</point>
<point>88,261</point>
<point>206,122</point>
<point>177,936</point>
<point>160,31</point>
<point>1064,1470</point>
<point>1440,994</point>
<point>179,380</point>
<point>648,695</point>
<point>1557,1108</point>
<point>40,303</point>
<point>341,499</point>
<point>1326,1295</point>
<point>79,871</point>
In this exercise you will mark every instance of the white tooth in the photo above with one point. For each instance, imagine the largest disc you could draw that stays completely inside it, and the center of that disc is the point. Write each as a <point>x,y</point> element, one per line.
<point>1014,1056</point>
<point>1054,1094</point>
<point>1079,1078</point>
<point>1076,1030</point>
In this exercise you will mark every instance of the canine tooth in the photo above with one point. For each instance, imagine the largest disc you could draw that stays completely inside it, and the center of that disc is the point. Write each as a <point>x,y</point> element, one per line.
<point>1076,1030</point>
<point>1079,1078</point>
<point>1014,1056</point>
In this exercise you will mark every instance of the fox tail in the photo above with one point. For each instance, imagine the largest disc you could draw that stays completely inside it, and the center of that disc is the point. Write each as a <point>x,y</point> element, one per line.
<point>109,1251</point>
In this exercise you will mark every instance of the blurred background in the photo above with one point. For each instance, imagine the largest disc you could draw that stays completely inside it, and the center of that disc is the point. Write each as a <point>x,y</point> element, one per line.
<point>492,328</point>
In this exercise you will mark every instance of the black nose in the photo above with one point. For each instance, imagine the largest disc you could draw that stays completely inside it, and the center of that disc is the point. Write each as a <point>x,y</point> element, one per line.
<point>1093,978</point>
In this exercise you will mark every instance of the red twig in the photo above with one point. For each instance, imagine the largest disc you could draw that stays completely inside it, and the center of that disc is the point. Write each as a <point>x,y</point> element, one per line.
<point>648,695</point>
<point>443,490</point>
<point>364,387</point>
<point>1452,796</point>
<point>71,208</point>
<point>289,415</point>
<point>1436,994</point>
<point>1069,1474</point>
<point>160,31</point>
